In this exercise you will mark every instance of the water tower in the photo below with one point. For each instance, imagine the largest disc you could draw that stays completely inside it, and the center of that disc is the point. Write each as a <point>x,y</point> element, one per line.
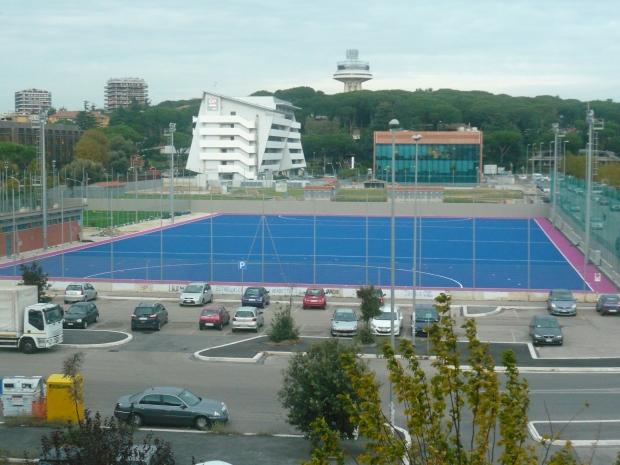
<point>352,72</point>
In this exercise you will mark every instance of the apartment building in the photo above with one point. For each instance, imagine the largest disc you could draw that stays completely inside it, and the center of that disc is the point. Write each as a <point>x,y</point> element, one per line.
<point>245,138</point>
<point>120,92</point>
<point>30,101</point>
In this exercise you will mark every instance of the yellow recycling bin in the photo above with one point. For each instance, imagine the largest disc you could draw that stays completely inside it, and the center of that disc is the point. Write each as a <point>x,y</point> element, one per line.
<point>60,405</point>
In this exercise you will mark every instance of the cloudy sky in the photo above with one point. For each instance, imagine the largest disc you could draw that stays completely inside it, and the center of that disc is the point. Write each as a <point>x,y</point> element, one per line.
<point>569,48</point>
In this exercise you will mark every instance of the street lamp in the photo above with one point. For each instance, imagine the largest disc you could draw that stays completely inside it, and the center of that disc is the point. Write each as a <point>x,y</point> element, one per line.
<point>540,155</point>
<point>564,168</point>
<point>416,139</point>
<point>527,157</point>
<point>15,238</point>
<point>6,180</point>
<point>393,125</point>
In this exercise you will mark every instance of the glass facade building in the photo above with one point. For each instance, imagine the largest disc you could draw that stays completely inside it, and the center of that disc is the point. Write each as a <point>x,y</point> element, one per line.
<point>444,158</point>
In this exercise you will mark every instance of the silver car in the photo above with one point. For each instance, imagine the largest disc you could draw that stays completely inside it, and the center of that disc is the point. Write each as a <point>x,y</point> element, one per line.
<point>196,294</point>
<point>79,292</point>
<point>344,322</point>
<point>561,302</point>
<point>248,318</point>
<point>382,323</point>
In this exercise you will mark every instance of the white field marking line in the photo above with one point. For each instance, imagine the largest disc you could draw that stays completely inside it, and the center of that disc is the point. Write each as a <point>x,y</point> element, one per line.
<point>561,253</point>
<point>531,427</point>
<point>514,310</point>
<point>197,353</point>
<point>105,344</point>
<point>479,315</point>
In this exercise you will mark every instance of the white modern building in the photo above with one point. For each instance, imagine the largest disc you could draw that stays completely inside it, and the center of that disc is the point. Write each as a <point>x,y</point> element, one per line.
<point>30,101</point>
<point>353,72</point>
<point>245,139</point>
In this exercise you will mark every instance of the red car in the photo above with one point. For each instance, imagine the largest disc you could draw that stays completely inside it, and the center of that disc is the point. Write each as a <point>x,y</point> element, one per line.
<point>214,316</point>
<point>314,298</point>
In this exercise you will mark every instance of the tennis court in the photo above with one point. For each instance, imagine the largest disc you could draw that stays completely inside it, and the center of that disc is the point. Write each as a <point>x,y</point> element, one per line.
<point>482,253</point>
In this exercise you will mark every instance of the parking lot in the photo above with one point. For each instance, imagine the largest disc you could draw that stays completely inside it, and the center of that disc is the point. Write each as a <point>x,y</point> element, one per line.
<point>584,334</point>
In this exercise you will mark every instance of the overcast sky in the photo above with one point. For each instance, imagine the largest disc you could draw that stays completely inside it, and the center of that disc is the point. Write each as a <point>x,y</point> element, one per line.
<point>235,47</point>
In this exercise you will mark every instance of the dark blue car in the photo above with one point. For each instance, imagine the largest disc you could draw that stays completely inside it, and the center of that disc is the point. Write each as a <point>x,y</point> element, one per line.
<point>255,297</point>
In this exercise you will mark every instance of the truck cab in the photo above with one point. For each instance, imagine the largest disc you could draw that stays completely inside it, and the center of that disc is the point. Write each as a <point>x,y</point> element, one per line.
<point>42,327</point>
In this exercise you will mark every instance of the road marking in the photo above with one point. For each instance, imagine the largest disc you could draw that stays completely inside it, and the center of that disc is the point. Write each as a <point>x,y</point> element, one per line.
<point>537,437</point>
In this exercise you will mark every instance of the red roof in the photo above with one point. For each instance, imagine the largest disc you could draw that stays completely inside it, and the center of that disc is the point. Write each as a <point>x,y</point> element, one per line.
<point>110,184</point>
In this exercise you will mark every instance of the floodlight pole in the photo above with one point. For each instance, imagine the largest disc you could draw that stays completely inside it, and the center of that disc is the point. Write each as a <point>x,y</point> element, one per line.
<point>393,125</point>
<point>170,132</point>
<point>416,139</point>
<point>556,130</point>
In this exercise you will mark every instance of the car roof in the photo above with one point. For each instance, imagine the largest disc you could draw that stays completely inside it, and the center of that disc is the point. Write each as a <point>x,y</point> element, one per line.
<point>247,308</point>
<point>544,317</point>
<point>212,307</point>
<point>164,390</point>
<point>560,290</point>
<point>614,296</point>
<point>75,284</point>
<point>314,289</point>
<point>425,307</point>
<point>195,284</point>
<point>81,304</point>
<point>147,304</point>
<point>346,310</point>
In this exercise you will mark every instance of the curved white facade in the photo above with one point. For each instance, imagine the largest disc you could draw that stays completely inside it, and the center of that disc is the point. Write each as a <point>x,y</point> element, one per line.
<point>242,138</point>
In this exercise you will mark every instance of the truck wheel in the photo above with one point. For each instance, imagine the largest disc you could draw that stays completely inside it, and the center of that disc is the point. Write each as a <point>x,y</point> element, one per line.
<point>27,346</point>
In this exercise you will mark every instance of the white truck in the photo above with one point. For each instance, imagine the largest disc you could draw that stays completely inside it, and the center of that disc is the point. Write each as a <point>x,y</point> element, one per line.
<point>26,324</point>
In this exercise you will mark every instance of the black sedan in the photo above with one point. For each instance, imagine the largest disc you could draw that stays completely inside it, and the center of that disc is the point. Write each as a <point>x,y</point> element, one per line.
<point>425,316</point>
<point>608,304</point>
<point>80,315</point>
<point>255,297</point>
<point>545,329</point>
<point>172,406</point>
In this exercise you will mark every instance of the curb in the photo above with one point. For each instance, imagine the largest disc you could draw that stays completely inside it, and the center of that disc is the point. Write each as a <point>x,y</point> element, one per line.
<point>105,344</point>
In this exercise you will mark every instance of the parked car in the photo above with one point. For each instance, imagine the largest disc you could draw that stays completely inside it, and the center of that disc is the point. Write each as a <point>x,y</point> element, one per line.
<point>314,297</point>
<point>213,316</point>
<point>382,323</point>
<point>608,303</point>
<point>604,201</point>
<point>575,208</point>
<point>149,315</point>
<point>344,322</point>
<point>80,315</point>
<point>80,292</point>
<point>380,295</point>
<point>561,302</point>
<point>173,406</point>
<point>545,329</point>
<point>614,207</point>
<point>248,318</point>
<point>255,297</point>
<point>597,223</point>
<point>425,316</point>
<point>196,294</point>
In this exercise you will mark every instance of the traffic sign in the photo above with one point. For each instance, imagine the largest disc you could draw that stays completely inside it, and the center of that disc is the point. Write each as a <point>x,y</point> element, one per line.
<point>597,277</point>
<point>242,265</point>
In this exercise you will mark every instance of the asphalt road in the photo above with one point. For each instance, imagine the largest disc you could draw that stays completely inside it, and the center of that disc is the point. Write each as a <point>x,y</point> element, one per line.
<point>250,389</point>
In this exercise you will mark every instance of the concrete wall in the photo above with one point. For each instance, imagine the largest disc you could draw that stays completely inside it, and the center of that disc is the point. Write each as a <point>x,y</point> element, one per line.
<point>308,207</point>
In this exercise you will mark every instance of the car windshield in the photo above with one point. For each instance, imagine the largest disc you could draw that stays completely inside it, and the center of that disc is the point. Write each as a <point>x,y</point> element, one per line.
<point>189,398</point>
<point>547,324</point>
<point>386,315</point>
<point>209,312</point>
<point>74,287</point>
<point>314,292</point>
<point>424,315</point>
<point>562,296</point>
<point>143,311</point>
<point>611,300</point>
<point>345,316</point>
<point>252,291</point>
<point>53,315</point>
<point>245,314</point>
<point>192,289</point>
<point>77,310</point>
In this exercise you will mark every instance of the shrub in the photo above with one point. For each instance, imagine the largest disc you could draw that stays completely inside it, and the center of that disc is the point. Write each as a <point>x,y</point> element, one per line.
<point>283,327</point>
<point>365,335</point>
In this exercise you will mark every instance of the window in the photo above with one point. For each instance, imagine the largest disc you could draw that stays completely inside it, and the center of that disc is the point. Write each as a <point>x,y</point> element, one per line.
<point>232,137</point>
<point>151,399</point>
<point>172,401</point>
<point>35,318</point>
<point>223,163</point>
<point>233,113</point>
<point>224,150</point>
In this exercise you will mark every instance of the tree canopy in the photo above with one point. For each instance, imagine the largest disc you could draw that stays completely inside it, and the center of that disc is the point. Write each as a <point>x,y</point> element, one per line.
<point>93,146</point>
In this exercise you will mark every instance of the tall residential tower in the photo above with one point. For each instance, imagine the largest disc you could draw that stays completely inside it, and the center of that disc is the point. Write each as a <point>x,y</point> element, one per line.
<point>121,92</point>
<point>31,101</point>
<point>352,72</point>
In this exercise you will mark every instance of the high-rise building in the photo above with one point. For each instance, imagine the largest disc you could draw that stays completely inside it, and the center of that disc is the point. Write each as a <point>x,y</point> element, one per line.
<point>352,72</point>
<point>31,101</point>
<point>245,138</point>
<point>121,92</point>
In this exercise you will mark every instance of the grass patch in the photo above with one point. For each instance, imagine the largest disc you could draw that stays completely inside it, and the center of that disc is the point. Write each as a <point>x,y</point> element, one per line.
<point>360,195</point>
<point>222,428</point>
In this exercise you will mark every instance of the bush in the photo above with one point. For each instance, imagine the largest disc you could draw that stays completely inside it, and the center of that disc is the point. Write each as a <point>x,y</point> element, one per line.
<point>32,275</point>
<point>365,335</point>
<point>283,327</point>
<point>314,385</point>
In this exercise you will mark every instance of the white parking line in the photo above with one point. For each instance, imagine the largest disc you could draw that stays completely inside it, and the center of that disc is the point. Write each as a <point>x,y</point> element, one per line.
<point>537,437</point>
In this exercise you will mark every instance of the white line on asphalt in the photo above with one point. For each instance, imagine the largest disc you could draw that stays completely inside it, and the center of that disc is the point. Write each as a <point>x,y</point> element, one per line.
<point>532,350</point>
<point>536,436</point>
